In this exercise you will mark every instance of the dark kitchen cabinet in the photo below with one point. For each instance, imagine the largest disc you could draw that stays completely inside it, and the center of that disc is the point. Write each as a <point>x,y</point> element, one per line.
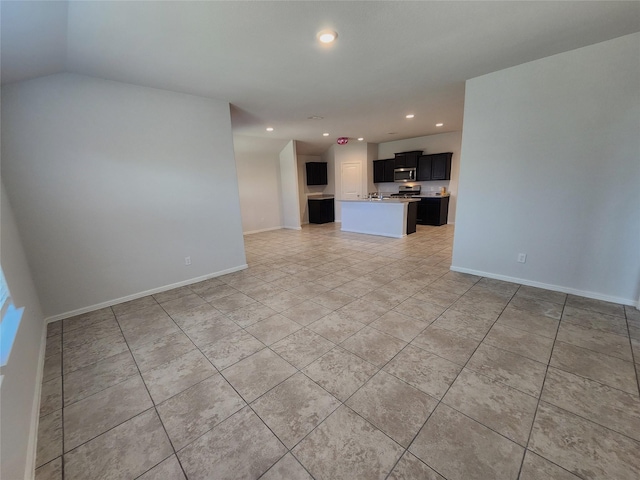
<point>389,166</point>
<point>321,210</point>
<point>378,171</point>
<point>441,166</point>
<point>433,211</point>
<point>412,216</point>
<point>316,173</point>
<point>434,167</point>
<point>383,170</point>
<point>424,168</point>
<point>407,159</point>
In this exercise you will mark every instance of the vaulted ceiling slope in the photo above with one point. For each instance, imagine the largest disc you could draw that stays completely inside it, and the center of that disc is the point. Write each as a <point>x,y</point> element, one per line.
<point>391,57</point>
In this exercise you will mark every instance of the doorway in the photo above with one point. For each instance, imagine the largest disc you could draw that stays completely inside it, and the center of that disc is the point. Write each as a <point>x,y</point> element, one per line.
<point>351,181</point>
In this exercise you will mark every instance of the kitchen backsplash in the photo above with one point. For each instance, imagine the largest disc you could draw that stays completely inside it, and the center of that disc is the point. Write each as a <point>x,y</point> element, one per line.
<point>390,187</point>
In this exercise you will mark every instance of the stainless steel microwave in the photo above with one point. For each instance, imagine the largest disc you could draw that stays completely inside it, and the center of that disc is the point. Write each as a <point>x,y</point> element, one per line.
<point>404,174</point>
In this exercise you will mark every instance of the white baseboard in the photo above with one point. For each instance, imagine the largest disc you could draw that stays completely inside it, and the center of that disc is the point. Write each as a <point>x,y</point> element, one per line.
<point>292,228</point>
<point>32,445</point>
<point>549,286</point>
<point>251,232</point>
<point>116,301</point>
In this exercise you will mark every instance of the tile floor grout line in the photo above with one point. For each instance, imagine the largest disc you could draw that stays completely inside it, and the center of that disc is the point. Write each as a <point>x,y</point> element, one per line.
<point>589,420</point>
<point>300,371</point>
<point>154,466</point>
<point>544,380</point>
<point>406,449</point>
<point>397,252</point>
<point>62,393</point>
<point>153,403</point>
<point>590,379</point>
<point>110,429</point>
<point>247,404</point>
<point>595,351</point>
<point>103,389</point>
<point>296,460</point>
<point>633,358</point>
<point>99,360</point>
<point>440,401</point>
<point>573,413</point>
<point>568,411</point>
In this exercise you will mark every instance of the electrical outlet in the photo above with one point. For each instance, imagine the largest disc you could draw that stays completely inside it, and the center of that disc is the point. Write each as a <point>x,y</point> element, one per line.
<point>522,258</point>
<point>187,260</point>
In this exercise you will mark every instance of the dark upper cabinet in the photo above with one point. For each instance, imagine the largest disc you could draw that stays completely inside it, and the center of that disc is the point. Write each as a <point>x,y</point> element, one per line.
<point>389,165</point>
<point>424,168</point>
<point>434,167</point>
<point>383,170</point>
<point>407,159</point>
<point>316,173</point>
<point>441,166</point>
<point>378,171</point>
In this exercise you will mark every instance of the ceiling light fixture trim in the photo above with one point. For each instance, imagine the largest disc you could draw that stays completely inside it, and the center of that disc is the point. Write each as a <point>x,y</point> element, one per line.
<point>327,36</point>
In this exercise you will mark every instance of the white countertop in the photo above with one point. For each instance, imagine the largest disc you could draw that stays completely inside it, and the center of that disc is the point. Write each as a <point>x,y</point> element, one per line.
<point>384,200</point>
<point>320,197</point>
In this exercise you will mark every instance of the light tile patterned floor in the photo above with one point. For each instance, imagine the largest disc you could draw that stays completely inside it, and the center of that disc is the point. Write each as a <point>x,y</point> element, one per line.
<point>344,356</point>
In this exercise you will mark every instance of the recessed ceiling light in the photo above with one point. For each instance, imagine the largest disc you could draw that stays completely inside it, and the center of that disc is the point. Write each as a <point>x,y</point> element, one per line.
<point>325,134</point>
<point>439,124</point>
<point>360,139</point>
<point>269,129</point>
<point>411,115</point>
<point>315,117</point>
<point>327,36</point>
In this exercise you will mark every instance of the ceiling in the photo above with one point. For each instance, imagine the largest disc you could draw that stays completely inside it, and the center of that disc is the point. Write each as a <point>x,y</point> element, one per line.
<point>391,58</point>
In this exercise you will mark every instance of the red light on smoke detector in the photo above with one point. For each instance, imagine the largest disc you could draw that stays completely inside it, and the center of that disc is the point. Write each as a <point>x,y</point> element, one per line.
<point>343,140</point>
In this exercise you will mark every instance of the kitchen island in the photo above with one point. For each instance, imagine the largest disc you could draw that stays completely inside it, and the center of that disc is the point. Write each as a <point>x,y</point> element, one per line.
<point>389,217</point>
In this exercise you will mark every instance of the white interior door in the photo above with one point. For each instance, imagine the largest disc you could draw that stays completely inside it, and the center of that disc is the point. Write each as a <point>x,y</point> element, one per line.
<point>351,183</point>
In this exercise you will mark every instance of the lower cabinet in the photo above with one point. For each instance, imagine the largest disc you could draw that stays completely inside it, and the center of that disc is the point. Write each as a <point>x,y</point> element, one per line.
<point>433,211</point>
<point>321,210</point>
<point>412,217</point>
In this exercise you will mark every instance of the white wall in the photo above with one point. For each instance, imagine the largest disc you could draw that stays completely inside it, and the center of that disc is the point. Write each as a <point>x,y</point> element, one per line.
<point>20,389</point>
<point>113,185</point>
<point>372,154</point>
<point>443,142</point>
<point>355,152</point>
<point>34,39</point>
<point>290,197</point>
<point>259,186</point>
<point>551,167</point>
<point>327,156</point>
